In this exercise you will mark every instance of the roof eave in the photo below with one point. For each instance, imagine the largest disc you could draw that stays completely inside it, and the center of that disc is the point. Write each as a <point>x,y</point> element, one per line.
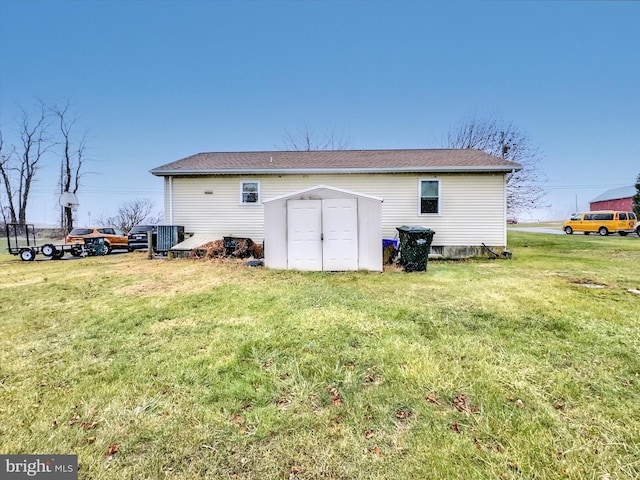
<point>309,171</point>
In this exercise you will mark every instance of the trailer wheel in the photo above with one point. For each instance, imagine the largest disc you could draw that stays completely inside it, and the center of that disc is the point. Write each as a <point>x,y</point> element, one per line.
<point>27,255</point>
<point>76,251</point>
<point>58,255</point>
<point>48,250</point>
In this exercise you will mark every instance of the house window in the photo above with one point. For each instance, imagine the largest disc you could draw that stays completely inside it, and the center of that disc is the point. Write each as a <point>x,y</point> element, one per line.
<point>429,196</point>
<point>249,192</point>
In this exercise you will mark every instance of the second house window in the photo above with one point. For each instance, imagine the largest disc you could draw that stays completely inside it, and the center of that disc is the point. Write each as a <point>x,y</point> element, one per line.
<point>249,192</point>
<point>429,196</point>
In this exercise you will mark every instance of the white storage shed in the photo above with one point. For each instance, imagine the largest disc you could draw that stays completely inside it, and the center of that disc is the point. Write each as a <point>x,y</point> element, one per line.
<point>323,229</point>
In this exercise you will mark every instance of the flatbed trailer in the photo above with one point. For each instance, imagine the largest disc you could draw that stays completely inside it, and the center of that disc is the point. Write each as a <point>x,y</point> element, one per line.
<point>21,240</point>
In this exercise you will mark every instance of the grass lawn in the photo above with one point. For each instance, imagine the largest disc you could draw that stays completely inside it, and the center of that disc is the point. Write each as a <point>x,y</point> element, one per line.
<point>186,369</point>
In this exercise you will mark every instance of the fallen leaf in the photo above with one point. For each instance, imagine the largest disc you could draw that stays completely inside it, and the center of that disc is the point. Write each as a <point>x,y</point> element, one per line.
<point>456,427</point>
<point>369,434</point>
<point>558,405</point>
<point>432,399</point>
<point>75,419</point>
<point>91,439</point>
<point>93,411</point>
<point>519,403</point>
<point>295,470</point>
<point>335,396</point>
<point>90,426</point>
<point>460,402</point>
<point>376,451</point>
<point>54,424</point>
<point>266,365</point>
<point>237,419</point>
<point>477,443</point>
<point>403,414</point>
<point>112,450</point>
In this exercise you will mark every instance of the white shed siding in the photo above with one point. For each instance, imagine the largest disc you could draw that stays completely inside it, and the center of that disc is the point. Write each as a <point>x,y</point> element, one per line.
<point>472,208</point>
<point>369,230</point>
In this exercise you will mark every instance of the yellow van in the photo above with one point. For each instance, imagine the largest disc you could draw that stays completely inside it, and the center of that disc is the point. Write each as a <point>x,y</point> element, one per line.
<point>604,222</point>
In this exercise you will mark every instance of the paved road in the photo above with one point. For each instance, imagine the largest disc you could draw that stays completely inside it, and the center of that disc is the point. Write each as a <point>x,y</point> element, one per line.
<point>553,231</point>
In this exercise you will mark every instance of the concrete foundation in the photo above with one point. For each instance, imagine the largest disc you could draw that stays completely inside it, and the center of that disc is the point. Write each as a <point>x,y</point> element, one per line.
<point>468,251</point>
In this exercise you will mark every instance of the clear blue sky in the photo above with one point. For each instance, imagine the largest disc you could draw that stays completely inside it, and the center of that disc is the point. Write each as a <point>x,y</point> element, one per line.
<point>155,81</point>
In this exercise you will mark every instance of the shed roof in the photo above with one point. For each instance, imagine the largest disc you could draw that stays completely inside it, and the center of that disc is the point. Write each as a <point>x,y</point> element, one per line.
<point>336,161</point>
<point>615,194</point>
<point>324,188</point>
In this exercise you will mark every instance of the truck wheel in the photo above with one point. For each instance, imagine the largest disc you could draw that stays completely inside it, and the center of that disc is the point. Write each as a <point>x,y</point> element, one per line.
<point>603,232</point>
<point>568,230</point>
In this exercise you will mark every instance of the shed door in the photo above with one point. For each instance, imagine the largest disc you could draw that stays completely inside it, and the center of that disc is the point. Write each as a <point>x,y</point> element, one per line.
<point>340,231</point>
<point>322,234</point>
<point>304,234</point>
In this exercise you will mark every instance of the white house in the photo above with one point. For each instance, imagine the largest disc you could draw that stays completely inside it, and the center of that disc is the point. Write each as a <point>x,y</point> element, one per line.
<point>460,194</point>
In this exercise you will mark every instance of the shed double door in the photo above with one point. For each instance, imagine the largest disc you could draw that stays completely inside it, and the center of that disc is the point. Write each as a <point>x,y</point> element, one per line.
<point>322,234</point>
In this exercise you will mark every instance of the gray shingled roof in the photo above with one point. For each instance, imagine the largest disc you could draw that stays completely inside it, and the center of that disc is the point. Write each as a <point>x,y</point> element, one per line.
<point>616,194</point>
<point>337,161</point>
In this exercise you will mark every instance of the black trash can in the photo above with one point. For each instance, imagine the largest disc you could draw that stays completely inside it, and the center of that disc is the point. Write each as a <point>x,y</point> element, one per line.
<point>415,244</point>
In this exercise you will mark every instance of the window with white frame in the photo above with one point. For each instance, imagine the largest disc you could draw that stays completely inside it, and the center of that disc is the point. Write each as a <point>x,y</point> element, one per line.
<point>249,192</point>
<point>429,196</point>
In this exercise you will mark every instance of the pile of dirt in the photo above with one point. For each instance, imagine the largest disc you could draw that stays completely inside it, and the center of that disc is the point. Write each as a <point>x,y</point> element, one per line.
<point>216,249</point>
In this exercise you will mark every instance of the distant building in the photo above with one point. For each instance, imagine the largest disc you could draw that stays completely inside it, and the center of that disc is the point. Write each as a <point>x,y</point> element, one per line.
<point>615,199</point>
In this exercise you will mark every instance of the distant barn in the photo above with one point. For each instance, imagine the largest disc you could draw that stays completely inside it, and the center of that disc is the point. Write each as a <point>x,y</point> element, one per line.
<point>615,199</point>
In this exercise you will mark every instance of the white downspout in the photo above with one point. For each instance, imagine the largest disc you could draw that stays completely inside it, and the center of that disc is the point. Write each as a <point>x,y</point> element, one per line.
<point>170,200</point>
<point>505,209</point>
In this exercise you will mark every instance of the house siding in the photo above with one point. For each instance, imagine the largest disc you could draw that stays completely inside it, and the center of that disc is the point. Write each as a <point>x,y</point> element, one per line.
<point>472,206</point>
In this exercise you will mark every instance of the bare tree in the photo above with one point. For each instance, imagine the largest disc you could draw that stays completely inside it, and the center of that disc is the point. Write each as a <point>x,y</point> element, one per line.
<point>508,141</point>
<point>4,159</point>
<point>136,212</point>
<point>72,159</point>
<point>20,163</point>
<point>308,140</point>
<point>636,198</point>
